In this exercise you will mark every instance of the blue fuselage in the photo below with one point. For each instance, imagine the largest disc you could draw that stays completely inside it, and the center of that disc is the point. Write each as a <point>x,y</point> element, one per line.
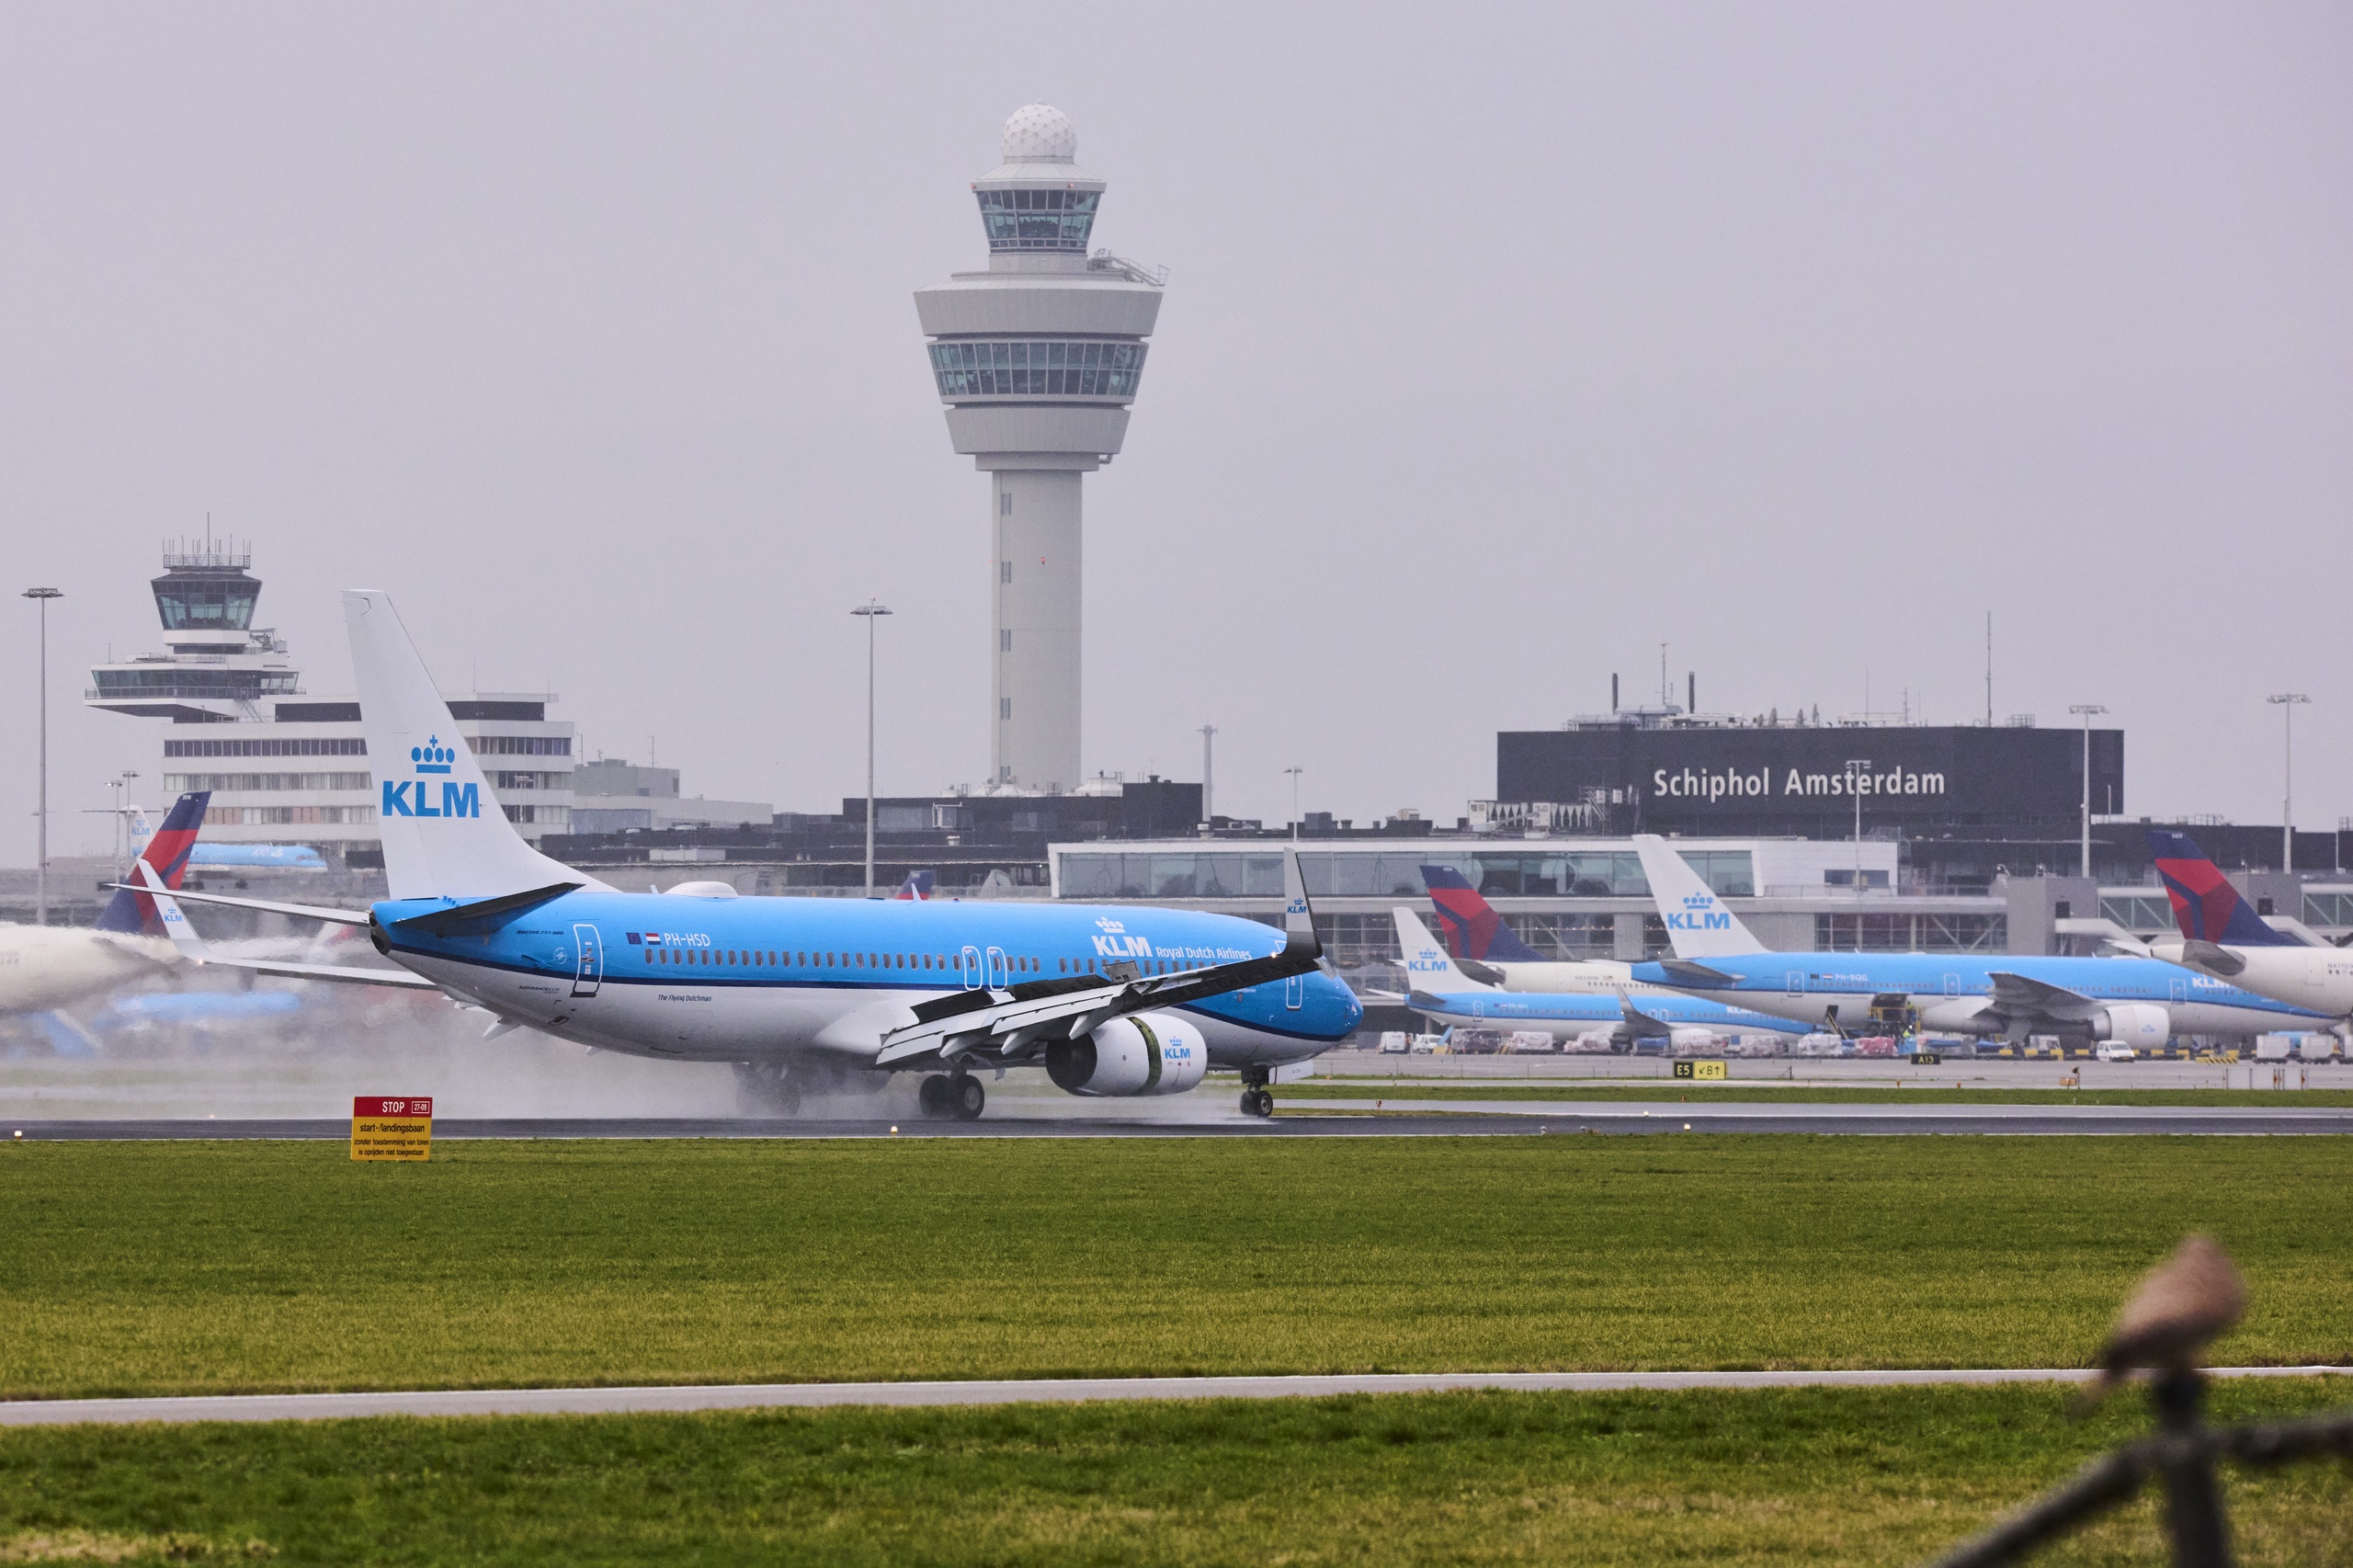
<point>757,978</point>
<point>1572,1015</point>
<point>1957,992</point>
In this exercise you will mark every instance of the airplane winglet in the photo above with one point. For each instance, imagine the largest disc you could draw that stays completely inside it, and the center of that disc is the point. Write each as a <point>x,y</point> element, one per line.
<point>1300,940</point>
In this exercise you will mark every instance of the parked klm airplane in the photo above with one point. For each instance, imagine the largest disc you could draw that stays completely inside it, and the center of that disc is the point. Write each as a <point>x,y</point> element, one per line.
<point>47,967</point>
<point>2224,937</point>
<point>1443,994</point>
<point>1112,1000</point>
<point>2137,1002</point>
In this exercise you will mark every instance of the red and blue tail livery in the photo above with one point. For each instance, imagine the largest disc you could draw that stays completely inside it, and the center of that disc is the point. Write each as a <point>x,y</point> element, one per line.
<point>2207,906</point>
<point>1473,929</point>
<point>168,851</point>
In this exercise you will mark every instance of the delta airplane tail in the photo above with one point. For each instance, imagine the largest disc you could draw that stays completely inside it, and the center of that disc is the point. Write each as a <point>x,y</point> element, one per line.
<point>444,833</point>
<point>1428,968</point>
<point>168,851</point>
<point>1697,921</point>
<point>2205,904</point>
<point>1474,930</point>
<point>917,887</point>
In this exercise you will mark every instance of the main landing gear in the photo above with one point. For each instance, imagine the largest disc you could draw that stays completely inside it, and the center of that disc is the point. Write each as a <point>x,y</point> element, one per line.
<point>1257,1098</point>
<point>764,1089</point>
<point>958,1094</point>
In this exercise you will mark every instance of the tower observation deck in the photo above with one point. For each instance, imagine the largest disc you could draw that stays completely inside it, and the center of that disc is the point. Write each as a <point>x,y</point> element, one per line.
<point>1038,359</point>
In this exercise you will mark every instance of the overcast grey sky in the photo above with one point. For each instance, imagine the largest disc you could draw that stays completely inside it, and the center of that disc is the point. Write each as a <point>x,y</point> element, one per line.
<point>1501,344</point>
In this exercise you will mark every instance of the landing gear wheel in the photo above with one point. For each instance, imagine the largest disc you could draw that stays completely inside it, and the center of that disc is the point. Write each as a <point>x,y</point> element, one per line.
<point>764,1089</point>
<point>933,1096</point>
<point>1257,1102</point>
<point>965,1096</point>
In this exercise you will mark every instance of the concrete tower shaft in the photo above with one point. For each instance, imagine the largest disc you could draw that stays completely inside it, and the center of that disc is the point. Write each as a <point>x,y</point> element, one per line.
<point>1038,360</point>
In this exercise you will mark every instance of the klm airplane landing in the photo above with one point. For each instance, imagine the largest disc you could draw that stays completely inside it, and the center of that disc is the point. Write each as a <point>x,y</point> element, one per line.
<point>2136,1002</point>
<point>1110,1001</point>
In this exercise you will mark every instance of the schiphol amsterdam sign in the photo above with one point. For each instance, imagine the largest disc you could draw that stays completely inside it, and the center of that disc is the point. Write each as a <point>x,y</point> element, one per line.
<point>1690,784</point>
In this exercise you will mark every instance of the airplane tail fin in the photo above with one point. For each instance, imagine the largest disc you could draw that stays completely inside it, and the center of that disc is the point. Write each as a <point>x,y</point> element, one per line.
<point>1428,967</point>
<point>444,833</point>
<point>1474,930</point>
<point>1697,921</point>
<point>918,886</point>
<point>168,851</point>
<point>2205,904</point>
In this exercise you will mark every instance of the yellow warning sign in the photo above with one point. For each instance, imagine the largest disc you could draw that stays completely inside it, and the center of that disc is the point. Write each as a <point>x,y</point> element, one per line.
<point>391,1128</point>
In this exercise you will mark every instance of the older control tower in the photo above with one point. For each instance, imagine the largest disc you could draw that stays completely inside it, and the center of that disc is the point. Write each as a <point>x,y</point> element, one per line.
<point>1038,359</point>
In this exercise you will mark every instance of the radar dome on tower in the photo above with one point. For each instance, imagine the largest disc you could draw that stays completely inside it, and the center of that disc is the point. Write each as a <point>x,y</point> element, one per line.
<point>1040,133</point>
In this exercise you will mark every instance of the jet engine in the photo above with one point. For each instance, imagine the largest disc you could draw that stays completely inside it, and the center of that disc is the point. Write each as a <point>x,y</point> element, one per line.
<point>2141,1025</point>
<point>1143,1053</point>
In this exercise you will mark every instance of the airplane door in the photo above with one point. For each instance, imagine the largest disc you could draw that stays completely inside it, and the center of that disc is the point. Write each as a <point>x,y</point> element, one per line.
<point>1295,994</point>
<point>972,979</point>
<point>997,970</point>
<point>1793,981</point>
<point>2178,991</point>
<point>590,972</point>
<point>1952,985</point>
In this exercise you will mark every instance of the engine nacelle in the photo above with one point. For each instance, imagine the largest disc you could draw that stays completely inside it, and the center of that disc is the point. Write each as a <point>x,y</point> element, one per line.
<point>2144,1026</point>
<point>1143,1053</point>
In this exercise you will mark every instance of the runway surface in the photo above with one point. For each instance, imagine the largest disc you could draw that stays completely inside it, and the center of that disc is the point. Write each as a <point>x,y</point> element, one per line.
<point>1028,1391</point>
<point>1315,1119</point>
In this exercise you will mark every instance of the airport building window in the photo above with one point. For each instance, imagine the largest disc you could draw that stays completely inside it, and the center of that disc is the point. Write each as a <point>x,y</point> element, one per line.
<point>1378,874</point>
<point>1912,933</point>
<point>179,783</point>
<point>1038,220</point>
<point>333,746</point>
<point>288,817</point>
<point>1004,568</point>
<point>1036,368</point>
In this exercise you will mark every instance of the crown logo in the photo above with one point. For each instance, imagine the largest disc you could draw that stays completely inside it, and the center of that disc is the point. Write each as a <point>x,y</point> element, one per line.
<point>432,756</point>
<point>1698,900</point>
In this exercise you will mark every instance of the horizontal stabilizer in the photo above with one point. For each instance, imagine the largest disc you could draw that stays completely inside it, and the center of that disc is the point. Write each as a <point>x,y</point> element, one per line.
<point>484,913</point>
<point>299,911</point>
<point>2212,958</point>
<point>191,947</point>
<point>1689,971</point>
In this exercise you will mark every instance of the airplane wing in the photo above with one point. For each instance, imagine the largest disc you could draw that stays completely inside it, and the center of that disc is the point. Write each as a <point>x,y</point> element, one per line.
<point>2015,994</point>
<point>1019,1021</point>
<point>191,948</point>
<point>300,911</point>
<point>1637,1023</point>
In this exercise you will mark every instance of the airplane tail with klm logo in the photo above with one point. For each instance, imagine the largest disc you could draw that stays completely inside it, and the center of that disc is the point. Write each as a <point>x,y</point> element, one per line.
<point>1474,930</point>
<point>1697,921</point>
<point>1429,968</point>
<point>444,833</point>
<point>2205,904</point>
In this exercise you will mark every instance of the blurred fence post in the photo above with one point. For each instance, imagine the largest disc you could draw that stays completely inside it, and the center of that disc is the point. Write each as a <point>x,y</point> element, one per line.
<point>2193,1499</point>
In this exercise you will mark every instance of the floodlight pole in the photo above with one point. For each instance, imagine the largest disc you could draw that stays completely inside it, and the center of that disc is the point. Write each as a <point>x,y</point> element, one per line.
<point>2086,710</point>
<point>2286,702</point>
<point>1294,773</point>
<point>1857,769</point>
<point>869,610</point>
<point>41,851</point>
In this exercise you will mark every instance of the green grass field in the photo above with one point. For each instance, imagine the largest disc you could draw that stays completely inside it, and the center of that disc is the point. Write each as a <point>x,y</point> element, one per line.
<point>1925,1089</point>
<point>191,1268</point>
<point>1851,1476</point>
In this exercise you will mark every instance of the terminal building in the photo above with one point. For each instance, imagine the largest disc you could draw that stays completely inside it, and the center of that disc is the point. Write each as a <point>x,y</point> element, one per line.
<point>284,765</point>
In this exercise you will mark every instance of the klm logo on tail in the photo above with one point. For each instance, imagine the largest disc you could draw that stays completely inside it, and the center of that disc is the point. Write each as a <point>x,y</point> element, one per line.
<point>457,800</point>
<point>1700,912</point>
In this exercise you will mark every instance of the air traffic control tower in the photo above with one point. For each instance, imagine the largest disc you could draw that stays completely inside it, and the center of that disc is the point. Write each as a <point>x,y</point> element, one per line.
<point>1038,359</point>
